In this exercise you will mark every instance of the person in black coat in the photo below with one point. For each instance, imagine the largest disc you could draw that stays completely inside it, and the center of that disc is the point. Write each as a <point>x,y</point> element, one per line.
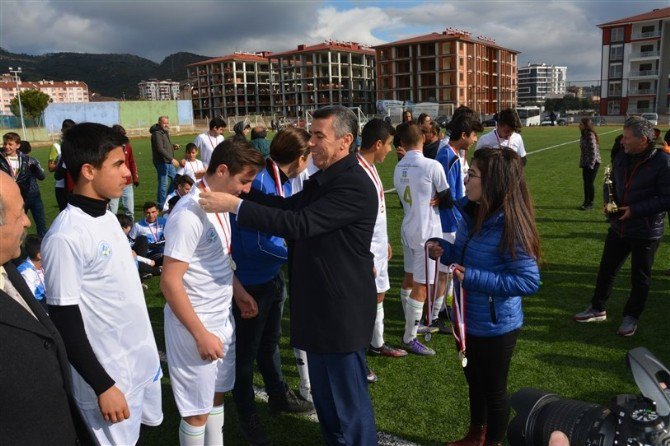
<point>333,295</point>
<point>36,404</point>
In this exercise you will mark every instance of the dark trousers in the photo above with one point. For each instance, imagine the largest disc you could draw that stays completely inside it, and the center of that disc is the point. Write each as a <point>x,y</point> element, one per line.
<point>258,339</point>
<point>341,398</point>
<point>615,253</point>
<point>143,248</point>
<point>589,177</point>
<point>488,366</point>
<point>61,197</point>
<point>36,206</point>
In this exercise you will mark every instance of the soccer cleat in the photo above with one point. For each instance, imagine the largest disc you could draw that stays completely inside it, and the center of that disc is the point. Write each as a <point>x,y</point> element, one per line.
<point>306,393</point>
<point>386,350</point>
<point>441,326</point>
<point>425,329</point>
<point>416,347</point>
<point>590,315</point>
<point>252,431</point>
<point>628,326</point>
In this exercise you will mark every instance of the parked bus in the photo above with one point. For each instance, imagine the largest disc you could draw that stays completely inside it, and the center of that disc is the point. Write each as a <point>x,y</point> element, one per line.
<point>529,115</point>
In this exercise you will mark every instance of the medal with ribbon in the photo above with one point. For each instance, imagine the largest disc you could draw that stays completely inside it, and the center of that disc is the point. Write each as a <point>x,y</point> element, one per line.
<point>226,235</point>
<point>458,324</point>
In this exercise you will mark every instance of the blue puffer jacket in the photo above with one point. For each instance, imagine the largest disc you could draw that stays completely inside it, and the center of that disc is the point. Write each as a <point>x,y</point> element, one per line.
<point>494,281</point>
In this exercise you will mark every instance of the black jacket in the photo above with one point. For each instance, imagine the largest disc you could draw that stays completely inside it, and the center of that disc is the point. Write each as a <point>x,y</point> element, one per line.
<point>329,225</point>
<point>162,150</point>
<point>642,182</point>
<point>36,404</point>
<point>29,170</point>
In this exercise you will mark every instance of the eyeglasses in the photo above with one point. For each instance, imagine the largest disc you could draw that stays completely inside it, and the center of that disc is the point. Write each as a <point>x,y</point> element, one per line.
<point>471,174</point>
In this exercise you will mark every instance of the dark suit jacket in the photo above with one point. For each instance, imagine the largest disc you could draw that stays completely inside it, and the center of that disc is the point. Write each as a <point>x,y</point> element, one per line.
<point>329,225</point>
<point>36,405</point>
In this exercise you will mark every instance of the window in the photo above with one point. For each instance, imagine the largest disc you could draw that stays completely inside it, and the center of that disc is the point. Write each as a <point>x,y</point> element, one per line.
<point>613,107</point>
<point>643,105</point>
<point>616,52</point>
<point>614,89</point>
<point>646,48</point>
<point>616,70</point>
<point>616,35</point>
<point>648,29</point>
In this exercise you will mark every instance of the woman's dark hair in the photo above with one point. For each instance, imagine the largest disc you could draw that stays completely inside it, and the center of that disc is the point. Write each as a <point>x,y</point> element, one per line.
<point>422,118</point>
<point>289,144</point>
<point>509,118</point>
<point>504,190</point>
<point>25,147</point>
<point>405,114</point>
<point>587,123</point>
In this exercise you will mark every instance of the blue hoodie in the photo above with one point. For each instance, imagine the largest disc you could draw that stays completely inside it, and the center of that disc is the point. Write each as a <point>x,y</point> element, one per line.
<point>259,256</point>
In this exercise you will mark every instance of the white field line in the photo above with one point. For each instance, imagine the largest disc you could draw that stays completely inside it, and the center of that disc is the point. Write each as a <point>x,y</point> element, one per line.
<point>566,143</point>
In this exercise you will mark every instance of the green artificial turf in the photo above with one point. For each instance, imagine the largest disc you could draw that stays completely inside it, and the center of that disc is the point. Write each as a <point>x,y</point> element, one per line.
<point>425,399</point>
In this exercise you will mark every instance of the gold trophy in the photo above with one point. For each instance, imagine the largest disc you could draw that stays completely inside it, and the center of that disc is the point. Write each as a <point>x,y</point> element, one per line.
<point>611,207</point>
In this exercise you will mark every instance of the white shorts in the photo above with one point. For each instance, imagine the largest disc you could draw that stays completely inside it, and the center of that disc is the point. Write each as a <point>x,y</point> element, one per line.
<point>449,237</point>
<point>415,263</point>
<point>382,277</point>
<point>194,380</point>
<point>145,408</point>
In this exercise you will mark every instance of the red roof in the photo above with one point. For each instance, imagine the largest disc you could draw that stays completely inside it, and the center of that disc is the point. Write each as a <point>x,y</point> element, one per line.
<point>663,13</point>
<point>247,57</point>
<point>448,34</point>
<point>351,47</point>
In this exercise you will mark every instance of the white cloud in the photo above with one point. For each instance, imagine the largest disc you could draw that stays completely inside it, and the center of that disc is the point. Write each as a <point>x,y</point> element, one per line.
<point>356,24</point>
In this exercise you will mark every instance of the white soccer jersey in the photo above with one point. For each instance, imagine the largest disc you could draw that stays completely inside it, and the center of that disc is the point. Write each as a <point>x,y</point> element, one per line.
<point>417,180</point>
<point>203,241</point>
<point>492,139</point>
<point>206,143</point>
<point>296,182</point>
<point>379,246</point>
<point>88,262</point>
<point>190,168</point>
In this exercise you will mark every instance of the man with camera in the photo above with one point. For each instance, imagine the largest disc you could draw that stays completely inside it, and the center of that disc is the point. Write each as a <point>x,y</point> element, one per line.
<point>640,198</point>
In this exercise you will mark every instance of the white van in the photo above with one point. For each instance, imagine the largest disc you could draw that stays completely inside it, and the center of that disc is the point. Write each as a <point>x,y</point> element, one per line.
<point>651,117</point>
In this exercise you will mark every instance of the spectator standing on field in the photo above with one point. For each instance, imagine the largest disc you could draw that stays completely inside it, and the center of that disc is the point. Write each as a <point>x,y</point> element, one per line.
<point>589,160</point>
<point>506,135</point>
<point>162,152</point>
<point>207,141</point>
<point>55,162</point>
<point>128,197</point>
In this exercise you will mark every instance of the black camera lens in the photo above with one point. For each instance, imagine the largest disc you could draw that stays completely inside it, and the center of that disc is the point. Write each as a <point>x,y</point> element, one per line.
<point>538,414</point>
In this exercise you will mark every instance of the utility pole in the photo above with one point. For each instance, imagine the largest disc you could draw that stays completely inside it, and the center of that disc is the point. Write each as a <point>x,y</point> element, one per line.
<point>18,95</point>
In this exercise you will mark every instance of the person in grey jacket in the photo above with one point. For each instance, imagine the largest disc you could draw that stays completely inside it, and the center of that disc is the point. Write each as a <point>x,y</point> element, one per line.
<point>162,154</point>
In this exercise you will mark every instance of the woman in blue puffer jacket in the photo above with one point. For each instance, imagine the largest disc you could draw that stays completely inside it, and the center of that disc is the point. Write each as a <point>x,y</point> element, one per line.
<point>495,259</point>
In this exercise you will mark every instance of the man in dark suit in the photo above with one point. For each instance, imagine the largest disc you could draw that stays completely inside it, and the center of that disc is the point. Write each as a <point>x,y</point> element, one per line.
<point>333,294</point>
<point>36,406</point>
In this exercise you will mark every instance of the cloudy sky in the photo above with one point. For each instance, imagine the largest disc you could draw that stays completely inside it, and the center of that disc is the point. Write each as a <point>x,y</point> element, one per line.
<point>550,31</point>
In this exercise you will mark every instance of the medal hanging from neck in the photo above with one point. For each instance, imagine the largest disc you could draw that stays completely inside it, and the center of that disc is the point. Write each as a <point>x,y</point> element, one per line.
<point>276,176</point>
<point>431,292</point>
<point>226,235</point>
<point>14,172</point>
<point>458,325</point>
<point>372,172</point>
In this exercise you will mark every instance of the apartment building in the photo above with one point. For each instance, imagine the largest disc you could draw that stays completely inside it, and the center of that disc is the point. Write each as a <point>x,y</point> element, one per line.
<point>236,84</point>
<point>451,67</point>
<point>328,73</point>
<point>155,90</point>
<point>65,91</point>
<point>635,70</point>
<point>538,82</point>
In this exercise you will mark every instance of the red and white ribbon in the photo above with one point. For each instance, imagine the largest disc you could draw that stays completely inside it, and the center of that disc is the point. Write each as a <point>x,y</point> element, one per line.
<point>458,322</point>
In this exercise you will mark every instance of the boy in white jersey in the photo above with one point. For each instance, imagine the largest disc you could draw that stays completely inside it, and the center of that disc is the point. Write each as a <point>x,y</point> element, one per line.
<point>198,283</point>
<point>190,165</point>
<point>95,297</point>
<point>419,181</point>
<point>376,140</point>
<point>506,135</point>
<point>207,142</point>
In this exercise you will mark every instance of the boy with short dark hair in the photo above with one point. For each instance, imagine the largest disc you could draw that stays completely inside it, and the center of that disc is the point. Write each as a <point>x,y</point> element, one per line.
<point>95,297</point>
<point>150,228</point>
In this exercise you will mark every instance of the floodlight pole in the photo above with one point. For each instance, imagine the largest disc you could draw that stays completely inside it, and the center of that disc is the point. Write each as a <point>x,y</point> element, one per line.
<point>18,95</point>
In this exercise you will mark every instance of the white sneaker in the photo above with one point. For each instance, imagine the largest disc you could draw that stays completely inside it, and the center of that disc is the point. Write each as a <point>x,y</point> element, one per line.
<point>306,393</point>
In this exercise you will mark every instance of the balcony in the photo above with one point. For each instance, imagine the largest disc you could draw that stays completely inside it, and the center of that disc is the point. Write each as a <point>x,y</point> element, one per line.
<point>635,110</point>
<point>647,35</point>
<point>644,54</point>
<point>643,73</point>
<point>641,91</point>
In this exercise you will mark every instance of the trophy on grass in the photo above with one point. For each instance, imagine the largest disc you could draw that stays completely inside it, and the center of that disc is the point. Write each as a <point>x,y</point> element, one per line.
<point>611,208</point>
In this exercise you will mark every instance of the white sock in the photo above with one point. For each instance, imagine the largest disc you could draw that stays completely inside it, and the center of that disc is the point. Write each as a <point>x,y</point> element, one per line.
<point>191,435</point>
<point>404,296</point>
<point>412,318</point>
<point>214,427</point>
<point>301,364</point>
<point>378,329</point>
<point>437,306</point>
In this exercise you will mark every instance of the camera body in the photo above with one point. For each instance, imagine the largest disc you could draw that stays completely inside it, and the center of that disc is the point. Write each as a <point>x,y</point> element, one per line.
<point>628,420</point>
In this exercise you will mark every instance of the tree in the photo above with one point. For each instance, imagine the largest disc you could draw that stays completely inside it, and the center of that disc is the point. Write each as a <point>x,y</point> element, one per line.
<point>33,101</point>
